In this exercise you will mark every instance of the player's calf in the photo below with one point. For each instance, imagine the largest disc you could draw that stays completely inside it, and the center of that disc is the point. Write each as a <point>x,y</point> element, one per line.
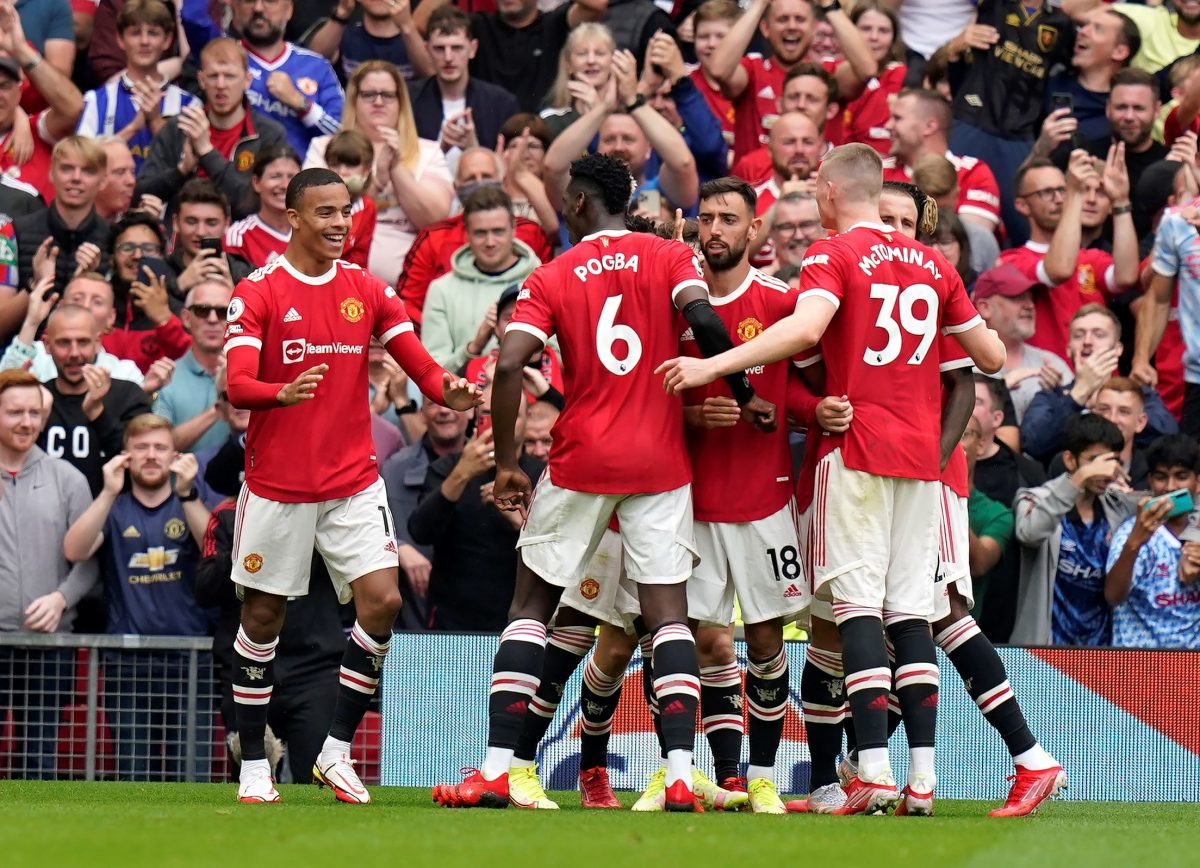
<point>916,687</point>
<point>868,682</point>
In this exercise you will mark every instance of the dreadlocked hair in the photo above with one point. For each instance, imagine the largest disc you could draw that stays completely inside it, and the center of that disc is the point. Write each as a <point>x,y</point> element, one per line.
<point>608,176</point>
<point>927,209</point>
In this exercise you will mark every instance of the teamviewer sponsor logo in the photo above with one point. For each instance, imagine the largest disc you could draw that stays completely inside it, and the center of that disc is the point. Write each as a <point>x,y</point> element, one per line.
<point>297,349</point>
<point>294,350</point>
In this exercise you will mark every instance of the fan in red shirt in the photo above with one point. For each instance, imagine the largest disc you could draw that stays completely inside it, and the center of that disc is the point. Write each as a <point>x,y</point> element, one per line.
<point>711,24</point>
<point>753,83</point>
<point>1072,277</point>
<point>263,237</point>
<point>296,345</point>
<point>613,300</point>
<point>866,117</point>
<point>918,123</point>
<point>796,148</point>
<point>877,302</point>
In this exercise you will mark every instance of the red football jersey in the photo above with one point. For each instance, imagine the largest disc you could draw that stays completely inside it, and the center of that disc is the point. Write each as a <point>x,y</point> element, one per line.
<point>255,241</point>
<point>768,193</point>
<point>864,120</point>
<point>742,473</point>
<point>36,170</point>
<point>1092,282</point>
<point>320,449</point>
<point>757,107</point>
<point>894,297</point>
<point>955,475</point>
<point>610,300</point>
<point>721,107</point>
<point>362,230</point>
<point>978,192</point>
<point>1168,359</point>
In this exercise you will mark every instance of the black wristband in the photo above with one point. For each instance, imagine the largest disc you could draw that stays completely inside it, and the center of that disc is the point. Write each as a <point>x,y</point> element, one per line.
<point>191,495</point>
<point>830,7</point>
<point>638,102</point>
<point>337,19</point>
<point>739,385</point>
<point>712,338</point>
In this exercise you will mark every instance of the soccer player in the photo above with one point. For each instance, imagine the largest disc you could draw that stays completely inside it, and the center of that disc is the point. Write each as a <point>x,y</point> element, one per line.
<point>881,300</point>
<point>612,300</point>
<point>745,517</point>
<point>311,474</point>
<point>955,631</point>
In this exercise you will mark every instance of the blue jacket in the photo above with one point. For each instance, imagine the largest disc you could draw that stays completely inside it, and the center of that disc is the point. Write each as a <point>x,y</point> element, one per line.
<point>1048,412</point>
<point>490,104</point>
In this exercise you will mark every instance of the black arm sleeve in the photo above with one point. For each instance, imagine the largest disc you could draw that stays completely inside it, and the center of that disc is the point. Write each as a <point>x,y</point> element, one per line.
<point>712,337</point>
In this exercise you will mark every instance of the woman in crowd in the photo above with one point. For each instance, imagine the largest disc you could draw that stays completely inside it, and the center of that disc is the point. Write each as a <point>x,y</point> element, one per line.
<point>866,115</point>
<point>950,239</point>
<point>411,184</point>
<point>584,68</point>
<point>263,236</point>
<point>523,141</point>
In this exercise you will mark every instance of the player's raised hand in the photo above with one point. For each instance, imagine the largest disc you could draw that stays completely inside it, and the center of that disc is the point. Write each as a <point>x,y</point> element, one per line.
<point>512,489</point>
<point>760,413</point>
<point>303,388</point>
<point>683,373</point>
<point>835,414</point>
<point>458,394</point>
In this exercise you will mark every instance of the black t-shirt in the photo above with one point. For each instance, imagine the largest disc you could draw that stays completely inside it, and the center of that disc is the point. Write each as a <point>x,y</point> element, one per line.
<point>1000,90</point>
<point>85,443</point>
<point>1000,476</point>
<point>522,61</point>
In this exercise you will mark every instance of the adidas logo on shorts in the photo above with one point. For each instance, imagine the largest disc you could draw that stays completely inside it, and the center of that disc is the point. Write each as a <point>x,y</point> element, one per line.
<point>792,593</point>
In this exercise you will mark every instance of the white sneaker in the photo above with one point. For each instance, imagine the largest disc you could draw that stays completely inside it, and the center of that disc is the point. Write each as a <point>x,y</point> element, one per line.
<point>335,769</point>
<point>847,770</point>
<point>827,799</point>
<point>256,783</point>
<point>917,798</point>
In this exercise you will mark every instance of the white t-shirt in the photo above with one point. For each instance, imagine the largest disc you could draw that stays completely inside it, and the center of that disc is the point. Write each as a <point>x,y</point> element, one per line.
<point>927,25</point>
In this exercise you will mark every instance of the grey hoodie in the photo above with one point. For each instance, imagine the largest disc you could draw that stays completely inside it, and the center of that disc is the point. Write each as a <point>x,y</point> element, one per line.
<point>458,301</point>
<point>1039,512</point>
<point>36,508</point>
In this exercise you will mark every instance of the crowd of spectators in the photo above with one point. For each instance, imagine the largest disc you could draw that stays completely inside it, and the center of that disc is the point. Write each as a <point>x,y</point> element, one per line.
<point>147,146</point>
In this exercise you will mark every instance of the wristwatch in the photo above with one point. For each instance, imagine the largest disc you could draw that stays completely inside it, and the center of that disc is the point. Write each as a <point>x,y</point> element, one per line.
<point>1117,210</point>
<point>831,7</point>
<point>637,103</point>
<point>189,497</point>
<point>338,19</point>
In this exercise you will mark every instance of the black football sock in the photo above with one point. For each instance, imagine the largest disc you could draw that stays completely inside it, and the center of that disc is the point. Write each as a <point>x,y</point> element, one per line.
<point>721,715</point>
<point>565,649</point>
<point>516,672</point>
<point>982,672</point>
<point>868,679</point>
<point>253,681</point>
<point>676,685</point>
<point>823,698</point>
<point>766,700</point>
<point>600,696</point>
<point>916,681</point>
<point>358,680</point>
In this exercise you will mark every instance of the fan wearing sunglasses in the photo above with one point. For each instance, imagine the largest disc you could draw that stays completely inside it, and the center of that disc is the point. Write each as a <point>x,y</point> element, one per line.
<point>189,401</point>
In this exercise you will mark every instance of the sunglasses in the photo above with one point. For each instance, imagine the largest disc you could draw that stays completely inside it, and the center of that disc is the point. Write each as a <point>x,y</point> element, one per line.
<point>203,311</point>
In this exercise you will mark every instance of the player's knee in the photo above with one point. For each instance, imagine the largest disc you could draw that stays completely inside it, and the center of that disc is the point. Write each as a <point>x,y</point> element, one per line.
<point>262,615</point>
<point>763,641</point>
<point>714,646</point>
<point>825,636</point>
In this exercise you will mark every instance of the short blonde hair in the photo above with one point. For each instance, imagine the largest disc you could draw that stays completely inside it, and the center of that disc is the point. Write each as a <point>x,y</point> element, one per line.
<point>143,424</point>
<point>559,97</point>
<point>935,175</point>
<point>857,169</point>
<point>89,152</point>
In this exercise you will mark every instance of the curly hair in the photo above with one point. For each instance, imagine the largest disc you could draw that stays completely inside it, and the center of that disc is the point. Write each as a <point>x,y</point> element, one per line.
<point>927,210</point>
<point>608,176</point>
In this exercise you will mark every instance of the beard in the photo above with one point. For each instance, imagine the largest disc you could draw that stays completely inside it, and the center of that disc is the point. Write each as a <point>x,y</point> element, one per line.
<point>265,36</point>
<point>725,260</point>
<point>150,477</point>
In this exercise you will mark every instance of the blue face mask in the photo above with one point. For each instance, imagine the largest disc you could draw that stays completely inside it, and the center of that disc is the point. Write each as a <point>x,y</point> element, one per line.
<point>471,186</point>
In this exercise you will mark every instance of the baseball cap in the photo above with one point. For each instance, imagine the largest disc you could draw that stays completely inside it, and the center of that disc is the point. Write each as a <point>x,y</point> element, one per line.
<point>1005,280</point>
<point>509,296</point>
<point>11,67</point>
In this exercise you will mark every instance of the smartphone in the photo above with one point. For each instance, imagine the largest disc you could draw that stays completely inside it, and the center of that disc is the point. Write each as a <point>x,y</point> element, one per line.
<point>210,244</point>
<point>1061,101</point>
<point>155,265</point>
<point>1181,500</point>
<point>650,200</point>
<point>483,421</point>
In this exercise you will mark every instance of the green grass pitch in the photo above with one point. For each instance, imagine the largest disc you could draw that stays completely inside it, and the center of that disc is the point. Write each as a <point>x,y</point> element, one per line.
<point>50,825</point>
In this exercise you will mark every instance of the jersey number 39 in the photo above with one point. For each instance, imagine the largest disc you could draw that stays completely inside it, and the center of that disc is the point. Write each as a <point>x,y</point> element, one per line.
<point>609,333</point>
<point>924,326</point>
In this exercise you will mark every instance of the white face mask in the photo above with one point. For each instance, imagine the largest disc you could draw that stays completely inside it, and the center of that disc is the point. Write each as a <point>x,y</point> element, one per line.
<point>356,184</point>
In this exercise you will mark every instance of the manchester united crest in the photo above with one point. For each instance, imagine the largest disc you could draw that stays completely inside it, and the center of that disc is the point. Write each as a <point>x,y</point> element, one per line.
<point>1086,276</point>
<point>749,328</point>
<point>252,563</point>
<point>306,86</point>
<point>589,589</point>
<point>245,161</point>
<point>352,309</point>
<point>174,528</point>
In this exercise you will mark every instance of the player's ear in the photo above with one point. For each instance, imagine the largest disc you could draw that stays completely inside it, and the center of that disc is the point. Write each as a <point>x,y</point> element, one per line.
<point>293,218</point>
<point>755,229</point>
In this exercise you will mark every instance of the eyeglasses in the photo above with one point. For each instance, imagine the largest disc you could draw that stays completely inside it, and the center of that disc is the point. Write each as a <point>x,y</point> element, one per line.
<point>204,311</point>
<point>1047,194</point>
<point>147,249</point>
<point>379,95</point>
<point>804,226</point>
